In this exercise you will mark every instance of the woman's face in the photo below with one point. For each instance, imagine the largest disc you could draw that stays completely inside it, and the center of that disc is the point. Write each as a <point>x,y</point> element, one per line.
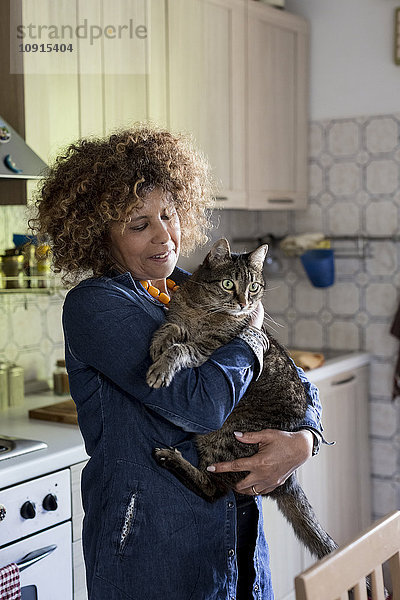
<point>149,245</point>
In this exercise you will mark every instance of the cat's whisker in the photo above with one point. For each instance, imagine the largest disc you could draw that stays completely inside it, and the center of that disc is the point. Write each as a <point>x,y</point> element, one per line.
<point>272,320</point>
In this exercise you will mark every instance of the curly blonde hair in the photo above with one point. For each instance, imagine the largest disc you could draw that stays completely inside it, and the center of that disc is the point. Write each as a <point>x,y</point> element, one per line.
<point>99,181</point>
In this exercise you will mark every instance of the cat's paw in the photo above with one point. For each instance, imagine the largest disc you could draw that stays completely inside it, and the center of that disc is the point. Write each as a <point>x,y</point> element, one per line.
<point>157,348</point>
<point>167,336</point>
<point>165,457</point>
<point>158,375</point>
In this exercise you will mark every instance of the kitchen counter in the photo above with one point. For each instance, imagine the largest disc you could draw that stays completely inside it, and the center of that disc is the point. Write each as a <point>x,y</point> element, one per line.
<point>65,443</point>
<point>337,362</point>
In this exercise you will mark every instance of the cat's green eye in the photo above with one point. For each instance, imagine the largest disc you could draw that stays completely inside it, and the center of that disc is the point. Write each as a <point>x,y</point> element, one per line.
<point>227,284</point>
<point>254,287</point>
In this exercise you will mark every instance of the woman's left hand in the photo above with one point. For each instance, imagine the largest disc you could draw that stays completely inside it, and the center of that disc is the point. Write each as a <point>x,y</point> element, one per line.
<point>280,453</point>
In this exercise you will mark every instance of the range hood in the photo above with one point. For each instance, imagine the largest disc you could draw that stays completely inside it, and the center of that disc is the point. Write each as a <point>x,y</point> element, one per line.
<point>17,159</point>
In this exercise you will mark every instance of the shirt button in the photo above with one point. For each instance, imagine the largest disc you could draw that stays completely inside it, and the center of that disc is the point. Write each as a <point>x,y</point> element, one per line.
<point>231,552</point>
<point>230,505</point>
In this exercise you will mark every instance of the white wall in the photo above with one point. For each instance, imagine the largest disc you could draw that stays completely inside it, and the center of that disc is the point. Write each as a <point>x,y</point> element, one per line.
<point>352,67</point>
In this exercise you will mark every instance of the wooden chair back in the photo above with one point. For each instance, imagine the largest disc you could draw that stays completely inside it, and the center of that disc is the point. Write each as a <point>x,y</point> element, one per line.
<point>346,568</point>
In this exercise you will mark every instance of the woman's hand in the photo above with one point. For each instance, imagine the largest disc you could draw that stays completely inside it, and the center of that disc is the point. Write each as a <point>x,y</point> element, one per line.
<point>280,453</point>
<point>257,316</point>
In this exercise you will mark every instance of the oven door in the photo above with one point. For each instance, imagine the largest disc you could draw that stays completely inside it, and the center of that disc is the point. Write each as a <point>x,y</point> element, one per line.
<point>51,576</point>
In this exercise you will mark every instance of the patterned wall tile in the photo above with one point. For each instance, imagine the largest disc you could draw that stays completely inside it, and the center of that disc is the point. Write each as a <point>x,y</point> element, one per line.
<point>381,135</point>
<point>382,176</point>
<point>344,138</point>
<point>383,418</point>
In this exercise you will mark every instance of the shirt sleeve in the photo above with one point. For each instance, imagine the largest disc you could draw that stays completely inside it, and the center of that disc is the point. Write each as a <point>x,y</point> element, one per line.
<point>312,418</point>
<point>107,330</point>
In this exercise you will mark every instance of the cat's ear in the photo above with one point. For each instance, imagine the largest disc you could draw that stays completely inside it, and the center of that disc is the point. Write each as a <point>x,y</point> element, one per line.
<point>257,257</point>
<point>219,252</point>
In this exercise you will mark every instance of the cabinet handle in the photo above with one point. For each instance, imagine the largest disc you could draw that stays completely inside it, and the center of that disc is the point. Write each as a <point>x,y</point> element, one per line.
<point>343,381</point>
<point>221,198</point>
<point>281,200</point>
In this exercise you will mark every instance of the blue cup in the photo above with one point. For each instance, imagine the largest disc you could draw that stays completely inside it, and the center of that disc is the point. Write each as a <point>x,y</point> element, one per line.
<point>319,265</point>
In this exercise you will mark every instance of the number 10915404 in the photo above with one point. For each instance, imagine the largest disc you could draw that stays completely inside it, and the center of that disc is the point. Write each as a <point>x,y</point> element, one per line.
<point>45,48</point>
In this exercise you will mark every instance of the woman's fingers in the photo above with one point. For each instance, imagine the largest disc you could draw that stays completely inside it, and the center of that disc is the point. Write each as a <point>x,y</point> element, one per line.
<point>239,464</point>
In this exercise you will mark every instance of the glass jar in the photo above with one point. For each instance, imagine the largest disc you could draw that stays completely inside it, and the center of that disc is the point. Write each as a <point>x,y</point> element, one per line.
<point>30,265</point>
<point>13,269</point>
<point>60,379</point>
<point>15,385</point>
<point>2,276</point>
<point>43,265</point>
<point>3,386</point>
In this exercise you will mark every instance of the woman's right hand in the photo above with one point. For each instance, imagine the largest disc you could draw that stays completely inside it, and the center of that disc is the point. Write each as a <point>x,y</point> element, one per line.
<point>257,316</point>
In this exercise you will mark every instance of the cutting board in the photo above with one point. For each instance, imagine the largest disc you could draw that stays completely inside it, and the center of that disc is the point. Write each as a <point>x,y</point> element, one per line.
<point>307,360</point>
<point>62,412</point>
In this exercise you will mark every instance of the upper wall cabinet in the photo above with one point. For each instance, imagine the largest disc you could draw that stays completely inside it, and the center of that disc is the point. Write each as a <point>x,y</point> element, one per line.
<point>277,109</point>
<point>207,86</point>
<point>234,73</point>
<point>238,80</point>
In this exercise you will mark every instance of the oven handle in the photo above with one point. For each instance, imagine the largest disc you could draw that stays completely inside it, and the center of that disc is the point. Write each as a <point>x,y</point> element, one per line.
<point>34,556</point>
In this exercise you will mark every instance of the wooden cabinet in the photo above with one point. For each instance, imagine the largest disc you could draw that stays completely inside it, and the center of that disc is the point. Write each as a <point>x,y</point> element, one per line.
<point>79,574</point>
<point>234,73</point>
<point>238,80</point>
<point>277,106</point>
<point>207,91</point>
<point>337,481</point>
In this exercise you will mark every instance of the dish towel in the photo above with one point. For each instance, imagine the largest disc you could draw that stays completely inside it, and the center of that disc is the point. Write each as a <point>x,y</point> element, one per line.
<point>395,331</point>
<point>10,586</point>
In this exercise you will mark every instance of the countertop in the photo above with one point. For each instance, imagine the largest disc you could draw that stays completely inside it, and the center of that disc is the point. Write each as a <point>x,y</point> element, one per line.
<point>65,443</point>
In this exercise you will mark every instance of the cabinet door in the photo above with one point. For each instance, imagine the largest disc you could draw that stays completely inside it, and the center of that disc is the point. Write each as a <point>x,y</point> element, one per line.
<point>337,481</point>
<point>285,551</point>
<point>277,109</point>
<point>50,97</point>
<point>206,41</point>
<point>135,85</point>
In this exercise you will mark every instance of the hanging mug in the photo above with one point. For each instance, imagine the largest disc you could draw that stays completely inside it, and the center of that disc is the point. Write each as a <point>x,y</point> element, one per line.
<point>319,265</point>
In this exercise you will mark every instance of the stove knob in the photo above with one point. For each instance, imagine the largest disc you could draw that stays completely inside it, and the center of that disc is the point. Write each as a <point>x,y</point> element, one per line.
<point>28,510</point>
<point>2,512</point>
<point>50,502</point>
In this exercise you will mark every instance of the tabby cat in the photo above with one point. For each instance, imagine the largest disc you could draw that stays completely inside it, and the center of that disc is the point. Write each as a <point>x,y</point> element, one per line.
<point>212,307</point>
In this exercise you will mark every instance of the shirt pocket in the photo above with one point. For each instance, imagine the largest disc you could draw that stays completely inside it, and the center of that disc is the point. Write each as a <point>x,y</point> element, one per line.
<point>128,522</point>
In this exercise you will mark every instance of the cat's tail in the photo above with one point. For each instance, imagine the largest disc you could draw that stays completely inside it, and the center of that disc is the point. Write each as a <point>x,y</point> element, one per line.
<point>294,505</point>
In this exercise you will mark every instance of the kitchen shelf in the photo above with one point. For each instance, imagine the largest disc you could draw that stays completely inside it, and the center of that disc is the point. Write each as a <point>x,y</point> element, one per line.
<point>53,285</point>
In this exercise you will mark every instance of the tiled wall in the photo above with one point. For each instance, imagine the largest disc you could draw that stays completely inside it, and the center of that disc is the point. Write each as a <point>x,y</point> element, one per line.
<point>355,189</point>
<point>30,325</point>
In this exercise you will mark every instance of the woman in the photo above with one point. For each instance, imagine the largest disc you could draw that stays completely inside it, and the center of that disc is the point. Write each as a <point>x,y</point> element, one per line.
<point>118,210</point>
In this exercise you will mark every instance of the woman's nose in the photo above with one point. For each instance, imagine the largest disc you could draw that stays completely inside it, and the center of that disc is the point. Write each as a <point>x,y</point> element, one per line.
<point>161,233</point>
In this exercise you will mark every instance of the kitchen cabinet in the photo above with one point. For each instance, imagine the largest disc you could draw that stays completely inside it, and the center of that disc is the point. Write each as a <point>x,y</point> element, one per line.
<point>277,105</point>
<point>79,574</point>
<point>207,86</point>
<point>238,81</point>
<point>336,481</point>
<point>233,73</point>
<point>12,110</point>
<point>135,87</point>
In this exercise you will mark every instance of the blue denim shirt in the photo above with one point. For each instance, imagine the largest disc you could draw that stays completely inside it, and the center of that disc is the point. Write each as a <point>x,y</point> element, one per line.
<point>145,536</point>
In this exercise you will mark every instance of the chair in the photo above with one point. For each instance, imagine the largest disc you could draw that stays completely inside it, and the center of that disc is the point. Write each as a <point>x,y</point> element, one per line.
<point>346,568</point>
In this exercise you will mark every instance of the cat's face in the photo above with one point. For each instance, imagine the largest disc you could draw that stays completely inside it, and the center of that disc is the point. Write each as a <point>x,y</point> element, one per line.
<point>231,283</point>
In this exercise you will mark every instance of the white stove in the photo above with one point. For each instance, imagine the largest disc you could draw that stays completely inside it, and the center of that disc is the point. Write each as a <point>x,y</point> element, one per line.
<point>35,533</point>
<point>13,446</point>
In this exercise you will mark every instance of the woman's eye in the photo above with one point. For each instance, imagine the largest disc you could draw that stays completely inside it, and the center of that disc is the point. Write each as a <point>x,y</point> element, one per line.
<point>254,287</point>
<point>228,284</point>
<point>139,228</point>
